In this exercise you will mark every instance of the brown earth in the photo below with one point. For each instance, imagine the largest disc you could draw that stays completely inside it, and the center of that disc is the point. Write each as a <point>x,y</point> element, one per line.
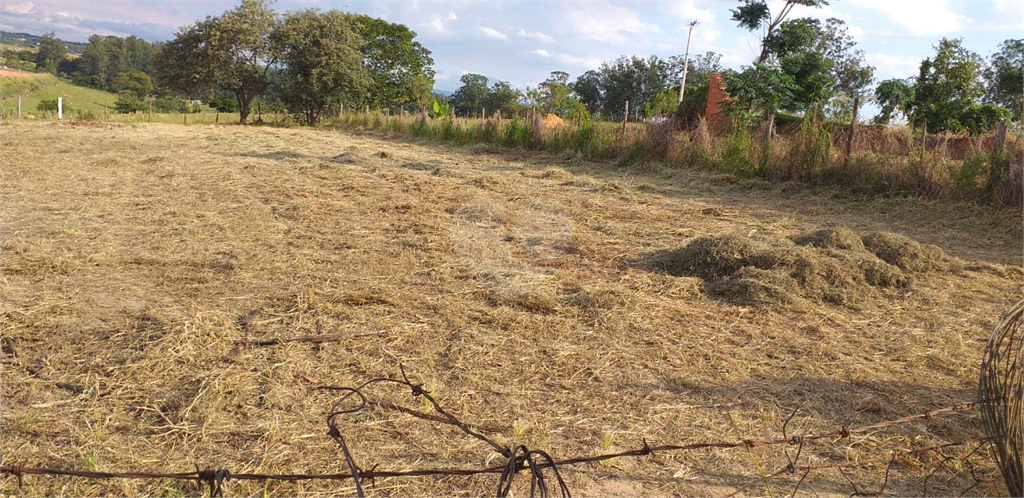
<point>16,74</point>
<point>142,266</point>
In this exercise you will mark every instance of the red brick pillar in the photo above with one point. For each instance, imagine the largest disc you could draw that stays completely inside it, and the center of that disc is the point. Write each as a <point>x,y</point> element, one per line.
<point>714,114</point>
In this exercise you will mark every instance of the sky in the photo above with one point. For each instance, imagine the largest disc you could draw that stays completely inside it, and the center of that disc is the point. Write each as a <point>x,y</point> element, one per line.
<point>522,42</point>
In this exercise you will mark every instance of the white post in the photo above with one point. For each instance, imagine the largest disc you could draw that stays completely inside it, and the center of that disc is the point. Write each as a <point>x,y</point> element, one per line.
<point>60,108</point>
<point>686,62</point>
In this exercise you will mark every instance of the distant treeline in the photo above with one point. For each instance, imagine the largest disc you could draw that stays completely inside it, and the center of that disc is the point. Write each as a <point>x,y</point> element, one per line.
<point>310,63</point>
<point>31,41</point>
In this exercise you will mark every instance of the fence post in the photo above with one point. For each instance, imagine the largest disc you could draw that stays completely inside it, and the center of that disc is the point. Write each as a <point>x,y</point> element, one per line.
<point>924,141</point>
<point>625,117</point>
<point>1000,139</point>
<point>19,106</point>
<point>853,131</point>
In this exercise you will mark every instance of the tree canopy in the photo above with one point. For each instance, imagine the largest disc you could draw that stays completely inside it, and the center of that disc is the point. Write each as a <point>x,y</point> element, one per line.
<point>947,87</point>
<point>322,61</point>
<point>1005,77</point>
<point>755,14</point>
<point>231,52</point>
<point>399,67</point>
<point>50,53</point>
<point>470,97</point>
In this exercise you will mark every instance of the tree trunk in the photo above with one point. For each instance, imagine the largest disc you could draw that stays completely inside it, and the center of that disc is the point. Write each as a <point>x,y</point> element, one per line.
<point>244,101</point>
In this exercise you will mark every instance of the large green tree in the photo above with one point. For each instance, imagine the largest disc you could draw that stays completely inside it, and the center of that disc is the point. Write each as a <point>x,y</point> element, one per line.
<point>104,57</point>
<point>321,62</point>
<point>894,96</point>
<point>1004,77</point>
<point>231,52</point>
<point>636,80</point>
<point>555,90</point>
<point>755,14</point>
<point>469,98</point>
<point>948,86</point>
<point>400,67</point>
<point>504,97</point>
<point>587,88</point>
<point>50,53</point>
<point>765,88</point>
<point>810,72</point>
<point>135,83</point>
<point>796,37</point>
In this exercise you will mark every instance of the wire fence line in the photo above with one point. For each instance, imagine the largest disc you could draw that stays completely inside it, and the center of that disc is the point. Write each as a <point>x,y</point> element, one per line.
<point>523,460</point>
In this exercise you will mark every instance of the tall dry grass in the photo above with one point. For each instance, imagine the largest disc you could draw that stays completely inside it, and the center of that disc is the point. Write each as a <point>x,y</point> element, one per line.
<point>883,160</point>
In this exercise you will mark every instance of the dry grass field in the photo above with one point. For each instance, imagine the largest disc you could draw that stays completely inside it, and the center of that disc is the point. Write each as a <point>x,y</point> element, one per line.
<point>577,308</point>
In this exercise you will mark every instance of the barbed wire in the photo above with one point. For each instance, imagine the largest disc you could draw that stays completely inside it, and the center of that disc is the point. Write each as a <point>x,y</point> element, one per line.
<point>520,458</point>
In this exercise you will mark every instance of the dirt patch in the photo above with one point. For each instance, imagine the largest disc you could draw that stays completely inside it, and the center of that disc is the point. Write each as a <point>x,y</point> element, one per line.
<point>11,73</point>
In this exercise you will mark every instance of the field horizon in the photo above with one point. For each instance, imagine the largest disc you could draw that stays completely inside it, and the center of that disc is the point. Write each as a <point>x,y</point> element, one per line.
<point>174,296</point>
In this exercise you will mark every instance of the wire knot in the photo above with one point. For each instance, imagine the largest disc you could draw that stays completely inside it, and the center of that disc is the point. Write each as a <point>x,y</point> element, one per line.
<point>17,471</point>
<point>214,478</point>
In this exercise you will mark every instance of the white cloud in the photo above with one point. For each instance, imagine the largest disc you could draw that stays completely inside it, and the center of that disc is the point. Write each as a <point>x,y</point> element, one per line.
<point>535,36</point>
<point>437,24</point>
<point>607,23</point>
<point>687,10</point>
<point>493,33</point>
<point>893,66</point>
<point>707,35</point>
<point>542,53</point>
<point>18,7</point>
<point>856,32</point>
<point>577,61</point>
<point>920,17</point>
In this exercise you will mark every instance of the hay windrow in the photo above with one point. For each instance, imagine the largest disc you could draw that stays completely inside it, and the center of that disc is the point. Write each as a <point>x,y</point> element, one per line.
<point>832,238</point>
<point>832,265</point>
<point>909,254</point>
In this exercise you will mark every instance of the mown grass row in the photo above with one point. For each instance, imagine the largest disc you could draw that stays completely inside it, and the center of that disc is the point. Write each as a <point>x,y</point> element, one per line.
<point>805,153</point>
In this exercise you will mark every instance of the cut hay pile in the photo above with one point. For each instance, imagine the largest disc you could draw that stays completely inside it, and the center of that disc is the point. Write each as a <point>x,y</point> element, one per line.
<point>831,265</point>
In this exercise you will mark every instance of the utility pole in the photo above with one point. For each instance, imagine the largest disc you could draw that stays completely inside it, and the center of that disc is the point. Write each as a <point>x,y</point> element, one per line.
<point>686,61</point>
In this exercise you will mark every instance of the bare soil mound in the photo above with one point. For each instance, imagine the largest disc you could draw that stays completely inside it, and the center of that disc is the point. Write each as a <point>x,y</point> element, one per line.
<point>832,265</point>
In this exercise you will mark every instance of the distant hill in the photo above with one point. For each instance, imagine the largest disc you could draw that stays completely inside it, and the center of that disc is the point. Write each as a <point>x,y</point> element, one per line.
<point>36,87</point>
<point>31,41</point>
<point>446,93</point>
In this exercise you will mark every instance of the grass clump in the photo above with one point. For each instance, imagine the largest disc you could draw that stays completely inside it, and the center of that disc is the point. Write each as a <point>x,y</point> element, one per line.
<point>832,238</point>
<point>908,254</point>
<point>831,265</point>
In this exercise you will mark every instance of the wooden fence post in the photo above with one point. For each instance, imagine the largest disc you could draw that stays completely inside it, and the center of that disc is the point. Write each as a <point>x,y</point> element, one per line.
<point>924,141</point>
<point>853,132</point>
<point>1000,139</point>
<point>625,118</point>
<point>19,106</point>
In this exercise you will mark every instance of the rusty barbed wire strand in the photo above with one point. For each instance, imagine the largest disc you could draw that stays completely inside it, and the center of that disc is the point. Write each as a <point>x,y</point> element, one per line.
<point>519,458</point>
